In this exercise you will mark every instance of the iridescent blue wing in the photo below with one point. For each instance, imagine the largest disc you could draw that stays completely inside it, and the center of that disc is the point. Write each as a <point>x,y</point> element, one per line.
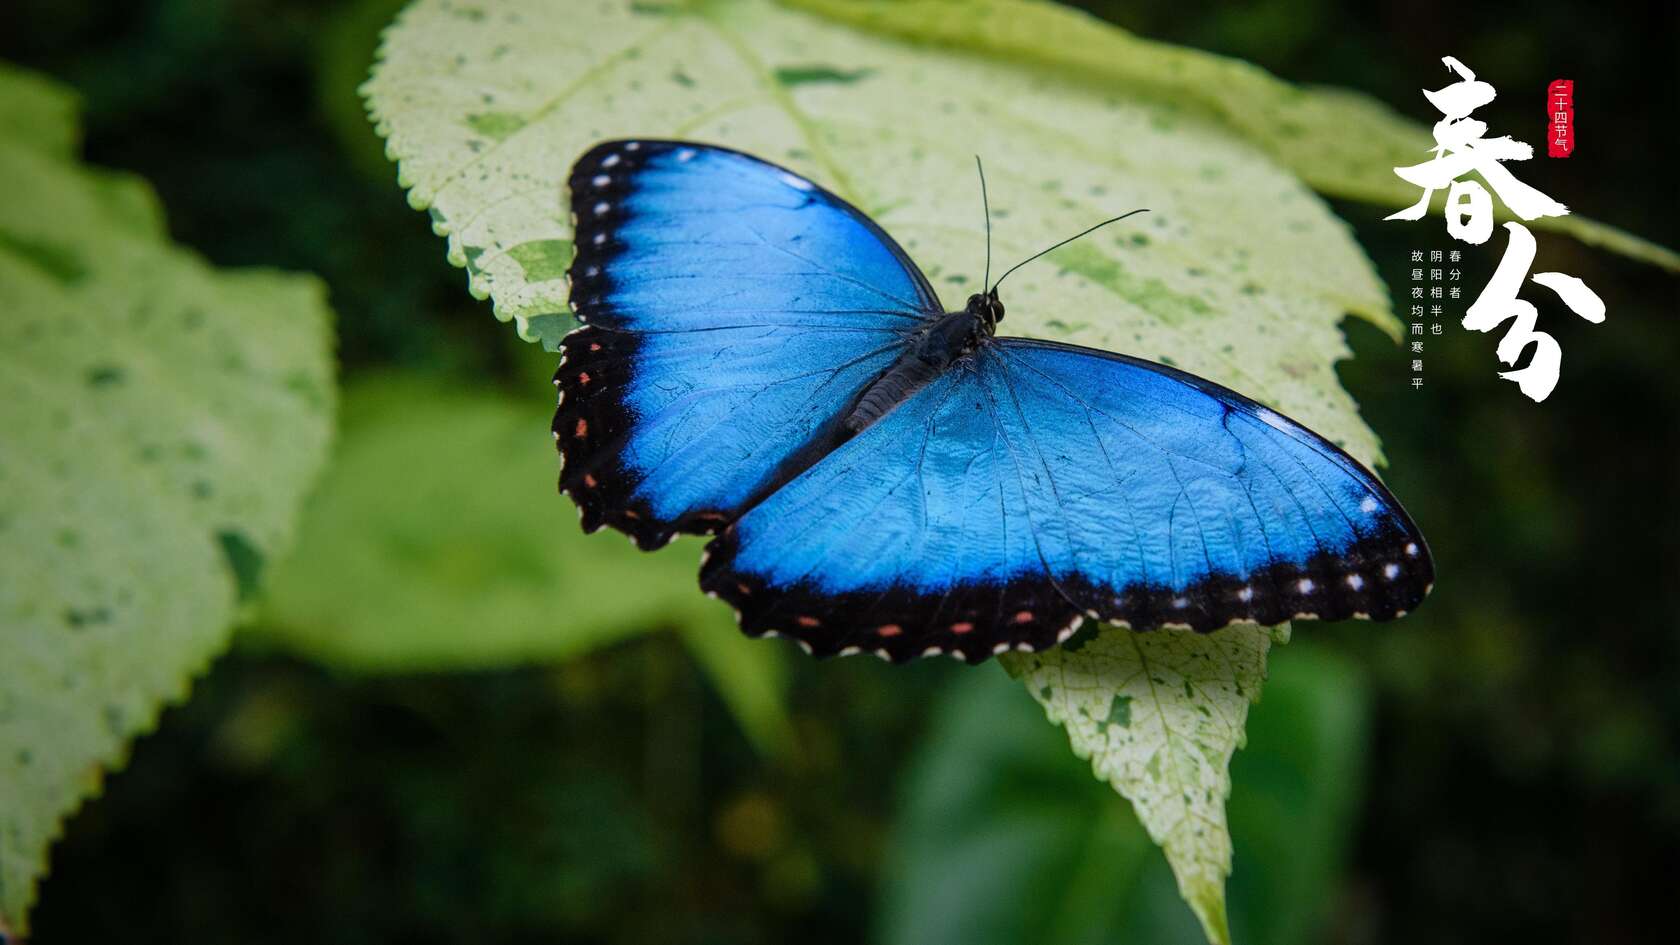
<point>730,311</point>
<point>1035,484</point>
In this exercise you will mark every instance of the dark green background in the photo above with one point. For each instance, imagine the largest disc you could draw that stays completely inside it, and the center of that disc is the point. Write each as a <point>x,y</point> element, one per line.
<point>1522,780</point>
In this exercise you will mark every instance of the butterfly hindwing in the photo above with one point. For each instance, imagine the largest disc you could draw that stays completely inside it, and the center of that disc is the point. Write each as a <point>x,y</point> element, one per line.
<point>1034,484</point>
<point>730,311</point>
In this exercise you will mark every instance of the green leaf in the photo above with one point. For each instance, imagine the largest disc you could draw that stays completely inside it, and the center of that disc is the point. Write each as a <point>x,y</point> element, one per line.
<point>1003,837</point>
<point>162,420</point>
<point>37,113</point>
<point>1341,142</point>
<point>1299,783</point>
<point>751,678</point>
<point>343,45</point>
<point>1240,273</point>
<point>437,541</point>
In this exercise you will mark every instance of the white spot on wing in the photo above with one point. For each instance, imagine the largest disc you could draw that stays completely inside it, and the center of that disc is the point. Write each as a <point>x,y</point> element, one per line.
<point>1391,570</point>
<point>1305,585</point>
<point>797,183</point>
<point>1355,581</point>
<point>1369,505</point>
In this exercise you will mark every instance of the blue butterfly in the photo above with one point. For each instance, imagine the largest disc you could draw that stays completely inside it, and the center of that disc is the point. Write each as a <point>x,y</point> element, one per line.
<point>759,361</point>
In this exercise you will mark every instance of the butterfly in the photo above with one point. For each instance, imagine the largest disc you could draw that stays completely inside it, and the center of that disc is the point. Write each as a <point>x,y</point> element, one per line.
<point>757,360</point>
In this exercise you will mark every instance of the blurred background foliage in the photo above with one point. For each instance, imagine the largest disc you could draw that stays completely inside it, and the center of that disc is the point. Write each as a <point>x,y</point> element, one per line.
<point>1503,764</point>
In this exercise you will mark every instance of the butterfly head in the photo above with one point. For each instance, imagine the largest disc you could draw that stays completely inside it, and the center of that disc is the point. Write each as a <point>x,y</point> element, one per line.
<point>986,309</point>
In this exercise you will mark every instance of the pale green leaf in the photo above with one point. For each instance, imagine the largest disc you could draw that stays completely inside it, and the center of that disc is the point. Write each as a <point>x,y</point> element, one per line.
<point>1159,716</point>
<point>1002,837</point>
<point>485,113</point>
<point>161,421</point>
<point>1341,142</point>
<point>437,541</point>
<point>1240,273</point>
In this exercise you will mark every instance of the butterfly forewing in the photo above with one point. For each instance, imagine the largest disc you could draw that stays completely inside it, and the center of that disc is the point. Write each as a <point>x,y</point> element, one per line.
<point>730,310</point>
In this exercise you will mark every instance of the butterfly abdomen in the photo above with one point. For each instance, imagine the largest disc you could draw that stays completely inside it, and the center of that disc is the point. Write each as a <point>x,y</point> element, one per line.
<point>910,373</point>
<point>931,352</point>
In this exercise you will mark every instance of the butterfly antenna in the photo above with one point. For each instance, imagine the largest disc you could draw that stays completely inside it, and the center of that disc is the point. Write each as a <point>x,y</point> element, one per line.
<point>987,206</point>
<point>1070,239</point>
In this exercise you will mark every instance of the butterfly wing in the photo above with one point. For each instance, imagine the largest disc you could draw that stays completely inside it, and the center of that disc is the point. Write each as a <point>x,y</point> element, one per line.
<point>1037,483</point>
<point>730,311</point>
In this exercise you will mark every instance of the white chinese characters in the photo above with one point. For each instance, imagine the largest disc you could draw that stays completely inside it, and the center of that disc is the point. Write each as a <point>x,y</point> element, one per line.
<point>1499,302</point>
<point>1461,146</point>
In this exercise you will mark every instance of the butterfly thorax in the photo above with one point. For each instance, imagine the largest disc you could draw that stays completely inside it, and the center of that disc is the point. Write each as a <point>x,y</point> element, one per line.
<point>930,351</point>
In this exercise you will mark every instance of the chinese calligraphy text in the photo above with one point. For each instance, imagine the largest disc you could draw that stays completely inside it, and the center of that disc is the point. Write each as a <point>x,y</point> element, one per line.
<point>1462,146</point>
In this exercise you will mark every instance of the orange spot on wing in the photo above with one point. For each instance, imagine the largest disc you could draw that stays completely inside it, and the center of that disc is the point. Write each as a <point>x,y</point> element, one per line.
<point>583,377</point>
<point>962,627</point>
<point>589,480</point>
<point>1024,616</point>
<point>889,630</point>
<point>808,622</point>
<point>582,428</point>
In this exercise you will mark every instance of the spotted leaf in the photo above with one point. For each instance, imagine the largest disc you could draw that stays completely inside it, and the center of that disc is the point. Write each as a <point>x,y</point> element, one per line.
<point>161,421</point>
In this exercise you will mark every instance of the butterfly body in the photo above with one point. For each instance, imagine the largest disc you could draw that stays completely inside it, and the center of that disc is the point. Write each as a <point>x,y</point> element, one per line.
<point>928,354</point>
<point>760,362</point>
